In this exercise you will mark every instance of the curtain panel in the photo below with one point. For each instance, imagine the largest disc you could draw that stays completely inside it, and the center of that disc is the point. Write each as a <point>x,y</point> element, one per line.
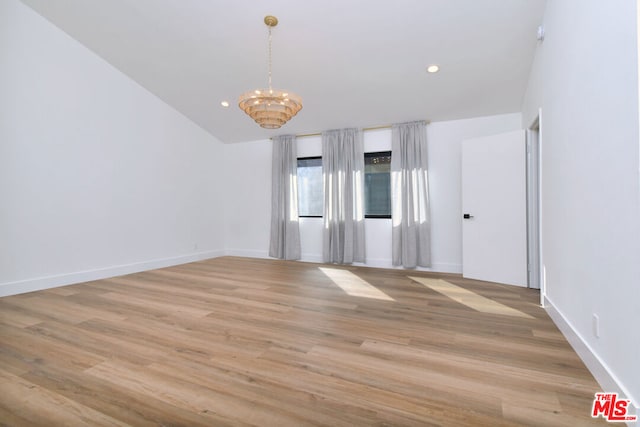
<point>285,232</point>
<point>343,184</point>
<point>411,233</point>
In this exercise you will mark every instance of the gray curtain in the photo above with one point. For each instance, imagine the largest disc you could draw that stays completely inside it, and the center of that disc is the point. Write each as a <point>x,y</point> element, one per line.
<point>411,234</point>
<point>343,183</point>
<point>285,232</point>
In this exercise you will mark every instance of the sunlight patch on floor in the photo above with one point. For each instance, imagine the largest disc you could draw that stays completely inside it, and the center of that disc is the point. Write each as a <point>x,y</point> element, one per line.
<point>469,298</point>
<point>353,285</point>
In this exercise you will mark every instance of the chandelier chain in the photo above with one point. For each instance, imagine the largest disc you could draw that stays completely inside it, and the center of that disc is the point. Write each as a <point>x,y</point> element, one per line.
<point>269,57</point>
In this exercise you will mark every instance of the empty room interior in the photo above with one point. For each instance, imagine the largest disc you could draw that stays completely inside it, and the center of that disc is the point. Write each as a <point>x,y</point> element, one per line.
<point>287,213</point>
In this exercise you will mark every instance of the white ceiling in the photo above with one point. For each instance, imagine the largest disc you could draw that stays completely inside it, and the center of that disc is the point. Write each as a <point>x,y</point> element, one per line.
<point>355,63</point>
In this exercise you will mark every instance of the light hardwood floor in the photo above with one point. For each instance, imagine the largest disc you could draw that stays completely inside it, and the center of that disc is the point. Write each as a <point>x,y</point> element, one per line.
<point>236,341</point>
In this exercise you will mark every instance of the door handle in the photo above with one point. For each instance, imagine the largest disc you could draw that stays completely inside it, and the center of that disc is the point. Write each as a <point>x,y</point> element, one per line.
<point>467,216</point>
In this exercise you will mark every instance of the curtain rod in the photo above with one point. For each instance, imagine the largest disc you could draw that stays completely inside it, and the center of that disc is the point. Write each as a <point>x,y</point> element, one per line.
<point>305,135</point>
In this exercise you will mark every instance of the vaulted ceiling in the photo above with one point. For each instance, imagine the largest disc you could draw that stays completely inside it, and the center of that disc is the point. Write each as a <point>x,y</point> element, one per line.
<point>355,63</point>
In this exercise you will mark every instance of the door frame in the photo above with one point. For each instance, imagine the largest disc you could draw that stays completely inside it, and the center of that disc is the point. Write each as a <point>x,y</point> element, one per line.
<point>535,266</point>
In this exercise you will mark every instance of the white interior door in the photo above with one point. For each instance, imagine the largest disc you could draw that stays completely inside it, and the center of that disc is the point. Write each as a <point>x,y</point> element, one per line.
<point>494,200</point>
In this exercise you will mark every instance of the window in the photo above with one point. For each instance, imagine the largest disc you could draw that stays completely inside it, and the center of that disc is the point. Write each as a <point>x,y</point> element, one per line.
<point>377,185</point>
<point>310,198</point>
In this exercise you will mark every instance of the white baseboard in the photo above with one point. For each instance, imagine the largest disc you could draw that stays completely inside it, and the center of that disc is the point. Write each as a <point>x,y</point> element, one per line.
<point>435,267</point>
<point>247,253</point>
<point>312,258</point>
<point>598,368</point>
<point>39,283</point>
<point>377,263</point>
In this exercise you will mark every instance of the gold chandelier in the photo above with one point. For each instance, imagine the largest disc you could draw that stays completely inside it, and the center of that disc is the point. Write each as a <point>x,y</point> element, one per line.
<point>270,108</point>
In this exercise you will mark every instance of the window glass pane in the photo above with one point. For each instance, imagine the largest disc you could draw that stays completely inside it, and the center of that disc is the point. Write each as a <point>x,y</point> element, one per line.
<point>377,184</point>
<point>310,198</point>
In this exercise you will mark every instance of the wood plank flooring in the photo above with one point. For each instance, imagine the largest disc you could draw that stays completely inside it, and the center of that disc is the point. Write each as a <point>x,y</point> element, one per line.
<point>237,341</point>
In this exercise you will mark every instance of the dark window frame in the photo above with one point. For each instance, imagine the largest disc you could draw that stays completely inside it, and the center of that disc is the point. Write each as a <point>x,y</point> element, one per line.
<point>371,154</point>
<point>378,154</point>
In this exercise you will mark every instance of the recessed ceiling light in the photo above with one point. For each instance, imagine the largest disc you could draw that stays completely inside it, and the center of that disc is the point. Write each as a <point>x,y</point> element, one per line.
<point>225,104</point>
<point>433,69</point>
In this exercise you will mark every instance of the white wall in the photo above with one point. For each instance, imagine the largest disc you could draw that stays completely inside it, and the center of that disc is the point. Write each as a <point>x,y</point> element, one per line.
<point>247,178</point>
<point>249,194</point>
<point>585,80</point>
<point>97,176</point>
